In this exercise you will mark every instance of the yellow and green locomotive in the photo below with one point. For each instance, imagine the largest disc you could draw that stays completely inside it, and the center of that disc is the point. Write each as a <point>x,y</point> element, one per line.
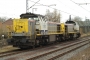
<point>33,30</point>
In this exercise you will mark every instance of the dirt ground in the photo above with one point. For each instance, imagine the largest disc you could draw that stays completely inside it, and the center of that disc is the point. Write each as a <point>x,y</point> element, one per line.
<point>83,55</point>
<point>7,48</point>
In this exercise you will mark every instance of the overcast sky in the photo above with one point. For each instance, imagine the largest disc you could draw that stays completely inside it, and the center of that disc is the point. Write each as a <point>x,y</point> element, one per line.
<point>13,8</point>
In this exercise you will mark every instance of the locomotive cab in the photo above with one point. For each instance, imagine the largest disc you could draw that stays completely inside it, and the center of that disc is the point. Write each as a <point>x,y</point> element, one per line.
<point>26,29</point>
<point>72,29</point>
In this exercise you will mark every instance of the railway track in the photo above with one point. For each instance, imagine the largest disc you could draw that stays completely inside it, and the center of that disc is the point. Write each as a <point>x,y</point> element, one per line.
<point>17,51</point>
<point>10,53</point>
<point>50,53</point>
<point>54,54</point>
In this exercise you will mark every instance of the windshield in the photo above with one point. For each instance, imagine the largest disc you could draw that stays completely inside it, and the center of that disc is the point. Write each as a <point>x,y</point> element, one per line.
<point>34,18</point>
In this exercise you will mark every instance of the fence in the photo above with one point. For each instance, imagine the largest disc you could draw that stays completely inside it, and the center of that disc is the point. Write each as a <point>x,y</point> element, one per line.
<point>84,26</point>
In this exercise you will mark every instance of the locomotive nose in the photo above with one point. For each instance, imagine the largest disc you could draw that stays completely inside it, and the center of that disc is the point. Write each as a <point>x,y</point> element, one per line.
<point>20,26</point>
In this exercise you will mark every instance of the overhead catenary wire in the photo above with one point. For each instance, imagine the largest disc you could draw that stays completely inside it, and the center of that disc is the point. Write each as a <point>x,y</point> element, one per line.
<point>83,3</point>
<point>87,3</point>
<point>3,14</point>
<point>52,8</point>
<point>33,4</point>
<point>79,6</point>
<point>55,9</point>
<point>72,8</point>
<point>68,7</point>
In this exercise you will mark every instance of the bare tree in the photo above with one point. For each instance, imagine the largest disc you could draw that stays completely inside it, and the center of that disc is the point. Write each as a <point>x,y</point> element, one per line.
<point>77,18</point>
<point>3,19</point>
<point>53,16</point>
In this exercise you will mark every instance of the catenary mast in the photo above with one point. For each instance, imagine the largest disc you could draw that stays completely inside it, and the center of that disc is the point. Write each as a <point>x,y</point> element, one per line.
<point>27,6</point>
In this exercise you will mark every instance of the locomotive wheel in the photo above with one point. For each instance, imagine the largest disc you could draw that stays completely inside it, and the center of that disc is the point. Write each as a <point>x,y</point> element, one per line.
<point>59,39</point>
<point>36,43</point>
<point>24,47</point>
<point>46,41</point>
<point>71,37</point>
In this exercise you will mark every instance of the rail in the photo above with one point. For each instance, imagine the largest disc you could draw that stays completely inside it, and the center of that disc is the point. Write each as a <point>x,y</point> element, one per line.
<point>36,53</point>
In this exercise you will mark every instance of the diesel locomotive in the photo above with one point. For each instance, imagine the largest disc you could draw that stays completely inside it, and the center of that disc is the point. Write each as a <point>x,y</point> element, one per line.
<point>33,30</point>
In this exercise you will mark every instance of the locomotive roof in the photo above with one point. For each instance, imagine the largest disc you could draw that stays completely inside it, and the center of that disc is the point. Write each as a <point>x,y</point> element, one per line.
<point>70,22</point>
<point>29,15</point>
